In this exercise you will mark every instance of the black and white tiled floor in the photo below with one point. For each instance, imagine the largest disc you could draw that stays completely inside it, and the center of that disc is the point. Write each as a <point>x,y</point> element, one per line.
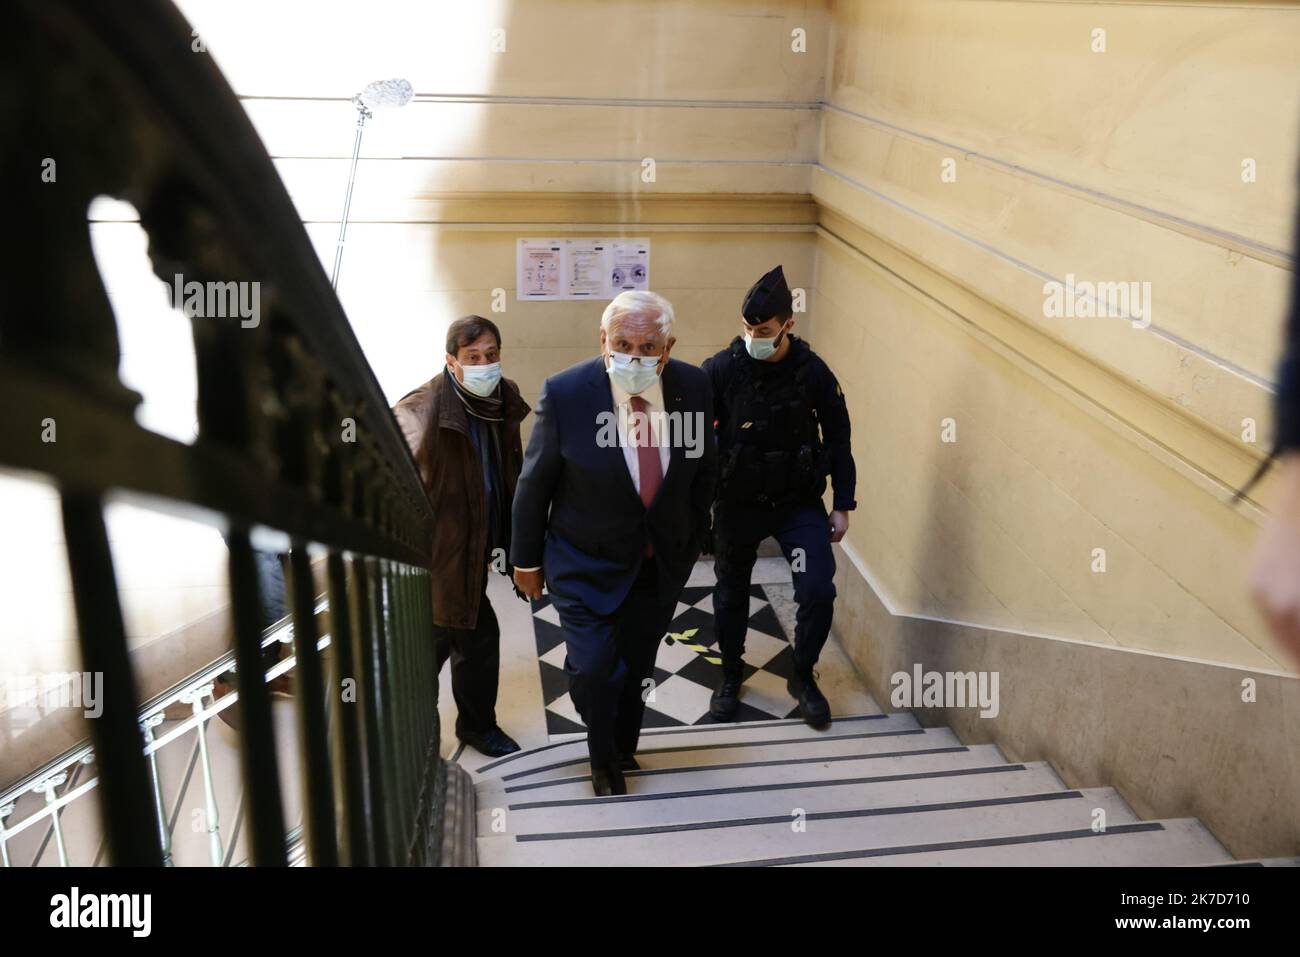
<point>687,666</point>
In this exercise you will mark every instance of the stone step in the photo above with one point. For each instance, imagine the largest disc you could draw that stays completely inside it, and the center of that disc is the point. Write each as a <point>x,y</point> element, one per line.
<point>754,753</point>
<point>1264,862</point>
<point>927,787</point>
<point>695,735</point>
<point>1169,843</point>
<point>496,794</point>
<point>777,837</point>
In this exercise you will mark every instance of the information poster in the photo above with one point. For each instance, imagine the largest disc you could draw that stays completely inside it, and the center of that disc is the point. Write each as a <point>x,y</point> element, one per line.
<point>586,268</point>
<point>540,269</point>
<point>598,268</point>
<point>629,265</point>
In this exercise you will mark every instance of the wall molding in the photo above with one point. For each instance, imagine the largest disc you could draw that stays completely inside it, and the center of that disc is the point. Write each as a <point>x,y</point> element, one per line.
<point>1187,444</point>
<point>887,602</point>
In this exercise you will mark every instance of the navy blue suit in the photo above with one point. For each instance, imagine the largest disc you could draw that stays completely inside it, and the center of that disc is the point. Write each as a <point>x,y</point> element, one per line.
<point>577,514</point>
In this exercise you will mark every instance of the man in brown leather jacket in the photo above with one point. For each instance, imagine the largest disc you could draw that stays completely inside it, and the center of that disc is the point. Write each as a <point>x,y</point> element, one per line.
<point>463,429</point>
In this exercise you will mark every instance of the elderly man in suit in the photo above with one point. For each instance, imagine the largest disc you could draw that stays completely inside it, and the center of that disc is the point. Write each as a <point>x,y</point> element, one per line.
<point>611,511</point>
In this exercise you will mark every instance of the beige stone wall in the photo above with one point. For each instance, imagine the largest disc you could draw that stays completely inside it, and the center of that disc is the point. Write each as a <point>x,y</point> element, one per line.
<point>541,131</point>
<point>1073,434</point>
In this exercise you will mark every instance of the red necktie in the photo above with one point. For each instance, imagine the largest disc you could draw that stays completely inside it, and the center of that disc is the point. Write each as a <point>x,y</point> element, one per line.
<point>647,456</point>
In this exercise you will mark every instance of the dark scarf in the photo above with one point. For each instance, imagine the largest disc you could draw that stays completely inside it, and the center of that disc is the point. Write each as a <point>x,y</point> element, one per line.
<point>490,411</point>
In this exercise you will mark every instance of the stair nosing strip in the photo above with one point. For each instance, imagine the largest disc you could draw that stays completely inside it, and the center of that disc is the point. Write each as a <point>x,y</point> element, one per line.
<point>731,744</point>
<point>784,819</point>
<point>656,732</point>
<point>1041,838</point>
<point>776,786</point>
<point>789,762</point>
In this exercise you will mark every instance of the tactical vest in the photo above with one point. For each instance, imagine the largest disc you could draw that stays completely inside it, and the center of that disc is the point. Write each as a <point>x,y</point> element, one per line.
<point>772,449</point>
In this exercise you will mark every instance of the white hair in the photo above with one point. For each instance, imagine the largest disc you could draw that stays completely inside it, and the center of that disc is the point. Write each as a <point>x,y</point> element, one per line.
<point>639,302</point>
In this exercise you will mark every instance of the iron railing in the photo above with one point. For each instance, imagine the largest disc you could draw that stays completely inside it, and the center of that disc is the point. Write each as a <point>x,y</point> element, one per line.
<point>42,798</point>
<point>293,430</point>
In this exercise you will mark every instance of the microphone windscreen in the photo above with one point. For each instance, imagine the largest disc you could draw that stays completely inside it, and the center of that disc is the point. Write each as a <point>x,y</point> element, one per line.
<point>386,93</point>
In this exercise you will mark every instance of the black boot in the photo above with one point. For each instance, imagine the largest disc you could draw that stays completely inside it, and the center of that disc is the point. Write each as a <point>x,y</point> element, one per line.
<point>726,696</point>
<point>813,706</point>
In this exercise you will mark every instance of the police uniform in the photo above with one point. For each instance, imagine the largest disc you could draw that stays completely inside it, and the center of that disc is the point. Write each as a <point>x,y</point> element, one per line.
<point>782,429</point>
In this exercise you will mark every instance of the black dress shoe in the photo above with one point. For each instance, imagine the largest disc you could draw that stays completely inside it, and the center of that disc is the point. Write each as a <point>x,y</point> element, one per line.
<point>813,706</point>
<point>494,743</point>
<point>607,780</point>
<point>627,762</point>
<point>726,696</point>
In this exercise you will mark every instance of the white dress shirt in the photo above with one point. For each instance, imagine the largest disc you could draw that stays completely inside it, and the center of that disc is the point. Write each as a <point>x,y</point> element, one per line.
<point>654,403</point>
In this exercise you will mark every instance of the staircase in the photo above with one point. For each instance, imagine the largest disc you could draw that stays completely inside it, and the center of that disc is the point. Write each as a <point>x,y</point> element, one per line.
<point>873,789</point>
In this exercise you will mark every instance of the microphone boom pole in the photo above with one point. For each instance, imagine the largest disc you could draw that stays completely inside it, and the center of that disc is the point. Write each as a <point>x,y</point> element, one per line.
<point>376,95</point>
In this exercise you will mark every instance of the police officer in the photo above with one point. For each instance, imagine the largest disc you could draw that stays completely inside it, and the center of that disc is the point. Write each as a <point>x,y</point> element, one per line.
<point>782,428</point>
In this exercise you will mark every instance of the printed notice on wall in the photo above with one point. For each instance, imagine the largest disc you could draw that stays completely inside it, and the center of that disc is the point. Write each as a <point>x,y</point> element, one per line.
<point>629,265</point>
<point>586,270</point>
<point>540,269</point>
<point>580,268</point>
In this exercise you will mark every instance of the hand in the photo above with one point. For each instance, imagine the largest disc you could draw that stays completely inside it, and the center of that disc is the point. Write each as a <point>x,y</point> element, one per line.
<point>1275,566</point>
<point>839,525</point>
<point>530,583</point>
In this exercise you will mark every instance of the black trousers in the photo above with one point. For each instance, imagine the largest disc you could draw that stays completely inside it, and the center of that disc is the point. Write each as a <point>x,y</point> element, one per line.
<point>610,659</point>
<point>803,531</point>
<point>475,668</point>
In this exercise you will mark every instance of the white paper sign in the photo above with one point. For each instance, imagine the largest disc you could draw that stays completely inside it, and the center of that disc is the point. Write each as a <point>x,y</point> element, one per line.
<point>598,268</point>
<point>629,265</point>
<point>539,269</point>
<point>586,270</point>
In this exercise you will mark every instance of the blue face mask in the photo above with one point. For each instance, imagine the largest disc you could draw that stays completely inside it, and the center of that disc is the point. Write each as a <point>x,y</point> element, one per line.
<point>634,374</point>
<point>763,348</point>
<point>482,380</point>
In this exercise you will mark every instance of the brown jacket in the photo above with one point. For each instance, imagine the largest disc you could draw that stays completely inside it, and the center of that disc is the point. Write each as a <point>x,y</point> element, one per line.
<point>436,427</point>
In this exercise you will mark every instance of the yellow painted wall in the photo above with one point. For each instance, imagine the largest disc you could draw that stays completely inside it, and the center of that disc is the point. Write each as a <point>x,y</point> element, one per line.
<point>1072,433</point>
<point>926,296</point>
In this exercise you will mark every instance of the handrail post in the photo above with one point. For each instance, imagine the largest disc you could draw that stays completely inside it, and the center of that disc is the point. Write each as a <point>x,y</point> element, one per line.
<point>309,694</point>
<point>348,756</point>
<point>164,833</point>
<point>194,698</point>
<point>124,776</point>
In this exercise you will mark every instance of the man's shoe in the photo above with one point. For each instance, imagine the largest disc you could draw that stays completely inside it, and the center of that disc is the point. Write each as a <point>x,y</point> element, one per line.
<point>627,762</point>
<point>494,743</point>
<point>813,706</point>
<point>606,780</point>
<point>726,696</point>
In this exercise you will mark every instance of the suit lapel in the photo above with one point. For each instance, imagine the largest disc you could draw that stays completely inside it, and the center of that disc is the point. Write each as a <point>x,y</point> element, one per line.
<point>603,401</point>
<point>674,401</point>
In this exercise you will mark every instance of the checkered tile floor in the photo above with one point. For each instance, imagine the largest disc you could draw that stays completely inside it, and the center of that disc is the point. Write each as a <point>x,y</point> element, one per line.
<point>687,667</point>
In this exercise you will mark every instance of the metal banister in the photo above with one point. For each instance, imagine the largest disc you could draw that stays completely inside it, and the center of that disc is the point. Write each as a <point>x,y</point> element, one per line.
<point>294,432</point>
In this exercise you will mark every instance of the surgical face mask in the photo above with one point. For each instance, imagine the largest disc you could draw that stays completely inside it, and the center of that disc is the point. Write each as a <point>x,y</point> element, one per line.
<point>634,374</point>
<point>763,348</point>
<point>482,380</point>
